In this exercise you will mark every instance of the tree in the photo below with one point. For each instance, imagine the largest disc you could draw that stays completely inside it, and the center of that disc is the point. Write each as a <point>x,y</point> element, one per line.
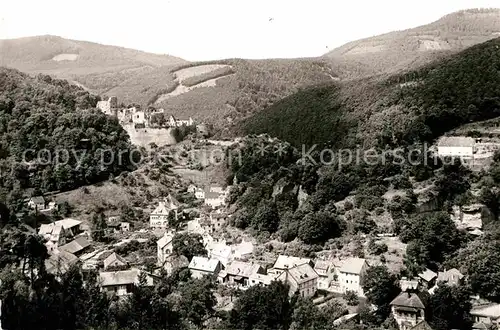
<point>264,308</point>
<point>266,217</point>
<point>197,300</point>
<point>351,297</point>
<point>99,227</point>
<point>380,287</point>
<point>318,227</point>
<point>306,316</point>
<point>453,181</point>
<point>449,308</point>
<point>188,245</point>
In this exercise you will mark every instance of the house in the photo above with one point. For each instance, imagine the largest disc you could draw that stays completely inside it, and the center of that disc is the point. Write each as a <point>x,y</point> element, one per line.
<point>214,199</point>
<point>122,282</point>
<point>77,246</point>
<point>60,262</point>
<point>158,219</point>
<point>243,250</point>
<point>36,203</point>
<point>325,271</point>
<point>125,226</point>
<point>201,266</point>
<point>302,279</point>
<point>450,277</point>
<point>114,261</point>
<point>139,118</point>
<point>55,235</point>
<point>239,274</point>
<point>350,275</point>
<point>486,316</point>
<point>71,226</point>
<point>194,227</point>
<point>285,262</point>
<point>456,146</point>
<point>220,251</point>
<point>408,310</point>
<point>173,122</point>
<point>427,278</point>
<point>407,284</point>
<point>199,193</point>
<point>216,221</point>
<point>165,247</point>
<point>108,107</point>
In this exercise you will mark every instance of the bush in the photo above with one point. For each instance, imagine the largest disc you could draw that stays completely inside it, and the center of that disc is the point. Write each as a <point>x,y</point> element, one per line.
<point>351,298</point>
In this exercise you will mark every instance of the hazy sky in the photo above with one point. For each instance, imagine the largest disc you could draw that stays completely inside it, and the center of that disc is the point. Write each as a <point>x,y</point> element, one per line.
<point>215,29</point>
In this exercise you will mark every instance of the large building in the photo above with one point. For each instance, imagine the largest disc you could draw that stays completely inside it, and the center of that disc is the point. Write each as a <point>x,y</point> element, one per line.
<point>285,262</point>
<point>201,266</point>
<point>408,310</point>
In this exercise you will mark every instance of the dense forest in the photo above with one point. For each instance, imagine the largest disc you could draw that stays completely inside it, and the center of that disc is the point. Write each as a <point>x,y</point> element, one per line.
<point>52,138</point>
<point>415,106</point>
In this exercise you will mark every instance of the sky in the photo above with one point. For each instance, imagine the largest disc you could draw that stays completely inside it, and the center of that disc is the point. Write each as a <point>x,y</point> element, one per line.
<point>216,29</point>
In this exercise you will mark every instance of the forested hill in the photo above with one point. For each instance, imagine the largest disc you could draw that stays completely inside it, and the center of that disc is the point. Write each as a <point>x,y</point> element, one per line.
<point>401,50</point>
<point>41,113</point>
<point>414,106</point>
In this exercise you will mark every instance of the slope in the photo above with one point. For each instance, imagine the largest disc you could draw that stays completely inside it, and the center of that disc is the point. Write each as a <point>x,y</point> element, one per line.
<point>413,47</point>
<point>51,138</point>
<point>415,106</point>
<point>65,58</point>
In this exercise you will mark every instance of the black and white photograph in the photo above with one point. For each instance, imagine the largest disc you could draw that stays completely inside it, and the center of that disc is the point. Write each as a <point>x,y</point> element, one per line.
<point>249,165</point>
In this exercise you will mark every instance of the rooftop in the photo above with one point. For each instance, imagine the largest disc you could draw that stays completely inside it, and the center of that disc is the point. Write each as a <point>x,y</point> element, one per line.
<point>456,141</point>
<point>302,273</point>
<point>244,269</point>
<point>406,299</point>
<point>76,245</point>
<point>60,261</point>
<point>204,264</point>
<point>161,209</point>
<point>122,277</point>
<point>353,266</point>
<point>492,311</point>
<point>166,238</point>
<point>112,258</point>
<point>322,265</point>
<point>452,276</point>
<point>284,262</point>
<point>427,275</point>
<point>68,223</point>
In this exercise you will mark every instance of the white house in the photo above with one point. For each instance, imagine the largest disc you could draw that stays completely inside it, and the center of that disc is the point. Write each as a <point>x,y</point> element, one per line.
<point>139,117</point>
<point>165,247</point>
<point>456,146</point>
<point>201,266</point>
<point>158,219</point>
<point>214,199</point>
<point>54,234</point>
<point>350,275</point>
<point>239,274</point>
<point>408,310</point>
<point>220,251</point>
<point>173,122</point>
<point>37,203</point>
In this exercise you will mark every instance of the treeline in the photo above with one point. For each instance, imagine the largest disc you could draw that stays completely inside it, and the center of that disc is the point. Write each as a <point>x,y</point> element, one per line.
<point>52,138</point>
<point>413,107</point>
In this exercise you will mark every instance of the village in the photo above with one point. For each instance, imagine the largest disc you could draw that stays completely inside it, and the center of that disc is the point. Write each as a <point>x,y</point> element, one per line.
<point>240,263</point>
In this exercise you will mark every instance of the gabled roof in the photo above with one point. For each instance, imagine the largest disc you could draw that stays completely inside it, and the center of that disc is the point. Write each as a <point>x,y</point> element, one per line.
<point>204,264</point>
<point>167,238</point>
<point>353,266</point>
<point>422,325</point>
<point>68,223</point>
<point>243,269</point>
<point>112,258</point>
<point>302,273</point>
<point>122,277</point>
<point>60,261</point>
<point>427,275</point>
<point>172,202</point>
<point>452,275</point>
<point>406,299</point>
<point>161,209</point>
<point>491,310</point>
<point>322,265</point>
<point>456,141</point>
<point>37,199</point>
<point>284,262</point>
<point>76,245</point>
